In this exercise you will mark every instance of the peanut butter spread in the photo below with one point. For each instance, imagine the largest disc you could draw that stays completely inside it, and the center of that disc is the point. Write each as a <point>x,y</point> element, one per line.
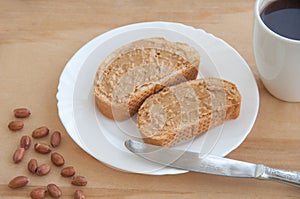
<point>139,64</point>
<point>137,69</point>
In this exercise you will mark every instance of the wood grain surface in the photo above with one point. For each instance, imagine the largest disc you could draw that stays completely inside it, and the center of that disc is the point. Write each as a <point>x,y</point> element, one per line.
<point>38,37</point>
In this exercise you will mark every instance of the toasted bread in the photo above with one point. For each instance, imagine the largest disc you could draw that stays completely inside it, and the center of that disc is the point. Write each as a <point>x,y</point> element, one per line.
<point>139,69</point>
<point>188,109</point>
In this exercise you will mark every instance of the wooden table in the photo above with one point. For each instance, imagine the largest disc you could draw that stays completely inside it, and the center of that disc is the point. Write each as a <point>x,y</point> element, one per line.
<point>37,38</point>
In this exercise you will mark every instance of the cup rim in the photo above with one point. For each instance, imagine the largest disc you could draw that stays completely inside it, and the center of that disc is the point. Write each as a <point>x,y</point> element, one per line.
<point>257,16</point>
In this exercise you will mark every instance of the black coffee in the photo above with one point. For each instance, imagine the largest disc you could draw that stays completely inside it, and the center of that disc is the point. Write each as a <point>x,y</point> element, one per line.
<point>283,17</point>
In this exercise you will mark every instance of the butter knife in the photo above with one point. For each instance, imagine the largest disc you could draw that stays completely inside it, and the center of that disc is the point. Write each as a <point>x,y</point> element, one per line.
<point>210,164</point>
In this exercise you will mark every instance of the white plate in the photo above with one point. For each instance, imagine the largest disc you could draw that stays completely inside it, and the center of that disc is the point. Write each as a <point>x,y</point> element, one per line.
<point>104,139</point>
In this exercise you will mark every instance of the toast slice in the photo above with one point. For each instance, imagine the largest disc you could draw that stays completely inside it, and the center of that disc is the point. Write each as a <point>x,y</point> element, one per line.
<point>139,69</point>
<point>188,109</point>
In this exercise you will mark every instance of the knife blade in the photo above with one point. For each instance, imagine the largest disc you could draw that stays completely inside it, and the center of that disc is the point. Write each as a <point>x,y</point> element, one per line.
<point>210,164</point>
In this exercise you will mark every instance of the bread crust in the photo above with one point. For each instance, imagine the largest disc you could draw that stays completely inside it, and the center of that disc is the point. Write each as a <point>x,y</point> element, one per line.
<point>123,110</point>
<point>214,108</point>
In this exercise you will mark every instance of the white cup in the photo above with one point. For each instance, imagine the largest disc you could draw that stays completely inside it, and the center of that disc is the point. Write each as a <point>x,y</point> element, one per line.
<point>277,59</point>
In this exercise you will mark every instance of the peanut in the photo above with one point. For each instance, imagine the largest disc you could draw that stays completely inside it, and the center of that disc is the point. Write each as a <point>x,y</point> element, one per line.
<point>79,181</point>
<point>67,171</point>
<point>18,155</point>
<point>32,166</point>
<point>79,194</point>
<point>57,159</point>
<point>18,182</point>
<point>42,148</point>
<point>40,132</point>
<point>22,112</point>
<point>43,169</point>
<point>54,190</point>
<point>55,139</point>
<point>38,193</point>
<point>25,142</point>
<point>15,125</point>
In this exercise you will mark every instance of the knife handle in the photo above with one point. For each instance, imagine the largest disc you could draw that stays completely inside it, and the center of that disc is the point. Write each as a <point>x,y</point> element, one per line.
<point>265,172</point>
